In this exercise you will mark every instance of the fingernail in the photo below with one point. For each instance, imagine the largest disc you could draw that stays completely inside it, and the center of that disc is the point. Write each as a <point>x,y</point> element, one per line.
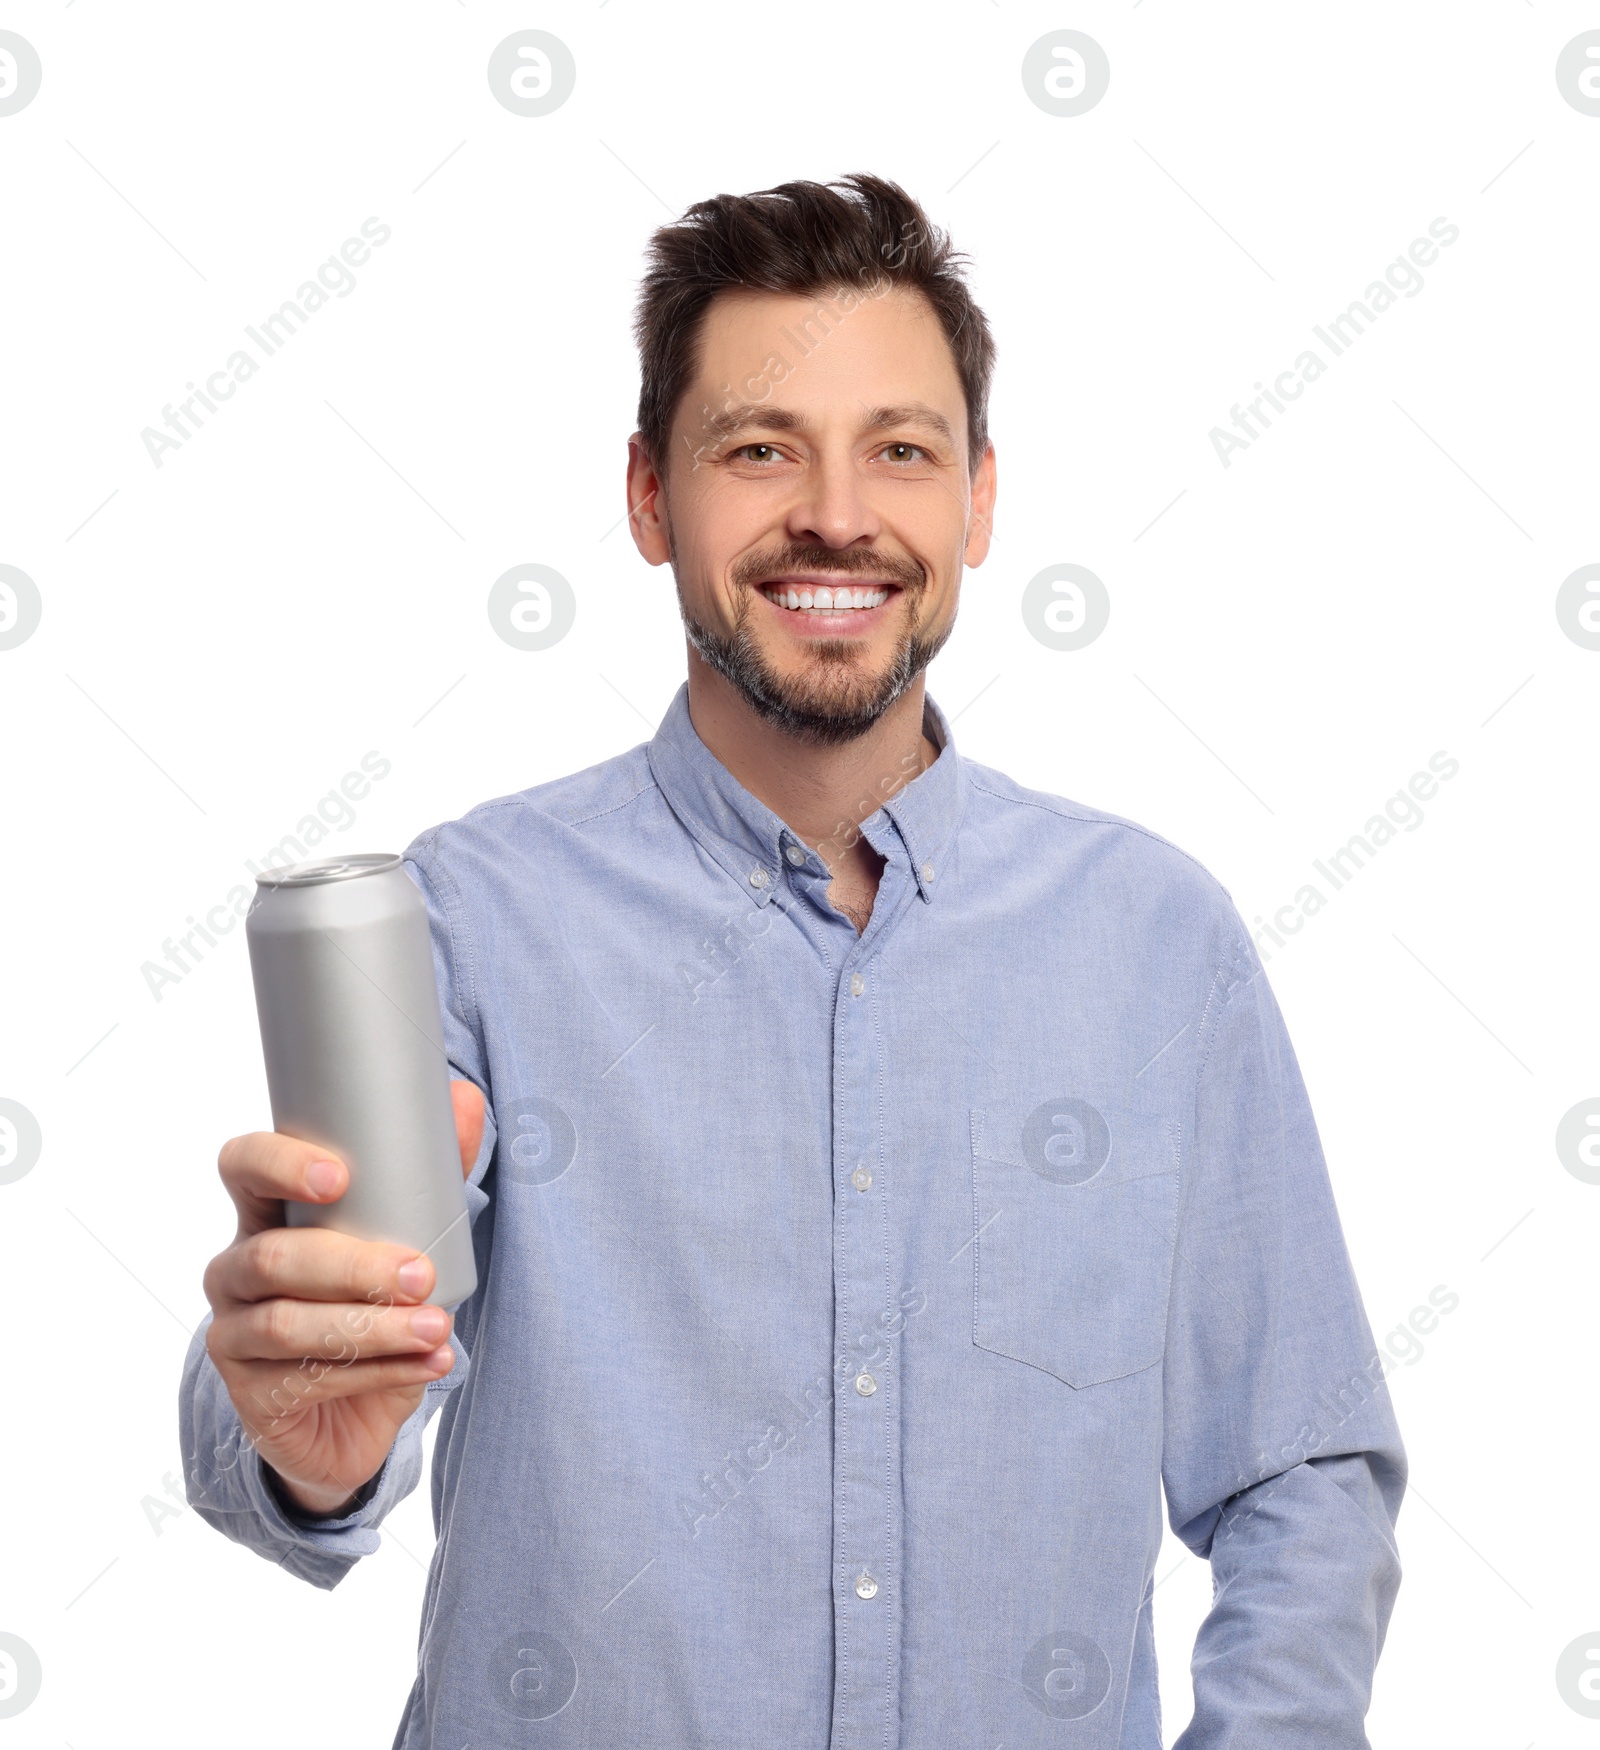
<point>413,1277</point>
<point>428,1322</point>
<point>323,1177</point>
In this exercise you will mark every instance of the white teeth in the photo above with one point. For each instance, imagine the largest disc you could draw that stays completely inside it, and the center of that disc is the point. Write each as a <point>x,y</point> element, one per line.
<point>823,599</point>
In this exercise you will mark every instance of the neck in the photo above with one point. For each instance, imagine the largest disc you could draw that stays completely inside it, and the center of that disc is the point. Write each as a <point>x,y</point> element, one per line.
<point>821,793</point>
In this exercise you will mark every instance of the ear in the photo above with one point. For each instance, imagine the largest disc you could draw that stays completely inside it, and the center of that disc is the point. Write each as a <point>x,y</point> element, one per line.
<point>647,519</point>
<point>980,517</point>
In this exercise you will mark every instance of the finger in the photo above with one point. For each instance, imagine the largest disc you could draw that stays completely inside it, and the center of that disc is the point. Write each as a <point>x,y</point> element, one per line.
<point>263,1168</point>
<point>302,1330</point>
<point>467,1098</point>
<point>317,1263</point>
<point>265,1391</point>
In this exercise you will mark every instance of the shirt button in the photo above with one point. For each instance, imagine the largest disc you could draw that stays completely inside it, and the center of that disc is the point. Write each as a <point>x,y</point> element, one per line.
<point>861,1178</point>
<point>927,871</point>
<point>866,1385</point>
<point>866,1587</point>
<point>857,984</point>
<point>758,877</point>
<point>795,855</point>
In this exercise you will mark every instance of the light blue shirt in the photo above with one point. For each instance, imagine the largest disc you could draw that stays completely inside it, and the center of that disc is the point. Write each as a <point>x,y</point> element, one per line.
<point>845,1303</point>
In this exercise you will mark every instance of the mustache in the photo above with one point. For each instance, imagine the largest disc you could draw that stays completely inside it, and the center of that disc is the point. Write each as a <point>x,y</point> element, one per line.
<point>877,567</point>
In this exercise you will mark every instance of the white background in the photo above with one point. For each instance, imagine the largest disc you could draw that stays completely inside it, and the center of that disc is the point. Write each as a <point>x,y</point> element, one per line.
<point>223,637</point>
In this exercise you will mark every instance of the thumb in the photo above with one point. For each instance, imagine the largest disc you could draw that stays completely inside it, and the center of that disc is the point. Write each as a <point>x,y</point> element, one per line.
<point>467,1098</point>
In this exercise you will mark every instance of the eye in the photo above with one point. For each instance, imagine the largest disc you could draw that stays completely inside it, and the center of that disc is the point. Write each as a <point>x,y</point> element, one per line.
<point>904,452</point>
<point>748,452</point>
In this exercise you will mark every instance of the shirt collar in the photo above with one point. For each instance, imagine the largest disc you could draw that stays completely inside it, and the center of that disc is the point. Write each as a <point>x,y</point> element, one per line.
<point>754,846</point>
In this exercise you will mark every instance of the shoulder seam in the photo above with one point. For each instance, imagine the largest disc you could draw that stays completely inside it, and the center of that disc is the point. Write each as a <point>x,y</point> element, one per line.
<point>1067,813</point>
<point>520,800</point>
<point>599,813</point>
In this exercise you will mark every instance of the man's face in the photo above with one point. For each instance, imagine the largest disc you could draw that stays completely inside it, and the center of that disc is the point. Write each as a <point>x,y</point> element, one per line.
<point>818,504</point>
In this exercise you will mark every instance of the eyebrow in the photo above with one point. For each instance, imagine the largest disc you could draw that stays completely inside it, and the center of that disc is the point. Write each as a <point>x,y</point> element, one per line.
<point>747,416</point>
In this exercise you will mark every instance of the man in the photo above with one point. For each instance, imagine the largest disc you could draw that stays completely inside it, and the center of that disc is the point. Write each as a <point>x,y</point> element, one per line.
<point>885,1178</point>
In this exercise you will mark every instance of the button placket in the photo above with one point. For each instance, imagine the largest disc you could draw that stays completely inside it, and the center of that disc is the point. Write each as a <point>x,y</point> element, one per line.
<point>867,1514</point>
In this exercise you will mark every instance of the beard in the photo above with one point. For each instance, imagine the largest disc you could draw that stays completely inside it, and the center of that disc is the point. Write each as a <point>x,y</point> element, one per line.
<point>834,698</point>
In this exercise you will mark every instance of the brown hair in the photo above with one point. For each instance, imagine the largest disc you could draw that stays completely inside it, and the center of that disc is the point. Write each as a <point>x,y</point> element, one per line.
<point>804,237</point>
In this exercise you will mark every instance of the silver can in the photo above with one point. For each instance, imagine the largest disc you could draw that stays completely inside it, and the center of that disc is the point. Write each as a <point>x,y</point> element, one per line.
<point>354,1048</point>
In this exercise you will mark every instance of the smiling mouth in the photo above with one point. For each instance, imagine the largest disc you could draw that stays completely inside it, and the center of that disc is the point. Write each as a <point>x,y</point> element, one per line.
<point>808,596</point>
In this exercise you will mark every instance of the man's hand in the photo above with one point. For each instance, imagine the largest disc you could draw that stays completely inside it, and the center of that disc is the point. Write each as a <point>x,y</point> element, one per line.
<point>319,1337</point>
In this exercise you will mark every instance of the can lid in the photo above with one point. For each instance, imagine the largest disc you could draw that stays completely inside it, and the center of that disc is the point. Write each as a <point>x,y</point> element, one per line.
<point>329,869</point>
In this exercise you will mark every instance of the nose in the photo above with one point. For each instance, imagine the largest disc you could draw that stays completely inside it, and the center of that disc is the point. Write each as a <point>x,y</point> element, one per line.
<point>831,507</point>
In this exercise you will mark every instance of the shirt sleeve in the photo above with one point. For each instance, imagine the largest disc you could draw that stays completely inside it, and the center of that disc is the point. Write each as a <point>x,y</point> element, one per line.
<point>226,1484</point>
<point>1283,1463</point>
<point>224,1476</point>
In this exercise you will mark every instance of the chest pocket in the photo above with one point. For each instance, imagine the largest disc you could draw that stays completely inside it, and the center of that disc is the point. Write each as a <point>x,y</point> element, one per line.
<point>1074,1241</point>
